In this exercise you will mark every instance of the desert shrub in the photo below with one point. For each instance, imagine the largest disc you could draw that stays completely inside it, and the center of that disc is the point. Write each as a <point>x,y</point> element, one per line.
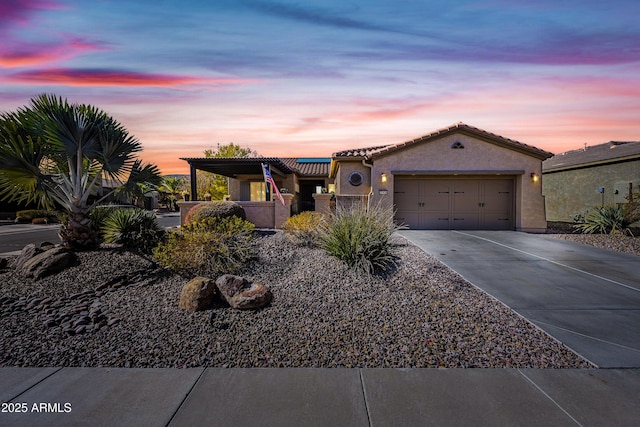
<point>304,227</point>
<point>135,229</point>
<point>210,246</point>
<point>604,220</point>
<point>359,236</point>
<point>99,214</point>
<point>215,209</point>
<point>42,216</point>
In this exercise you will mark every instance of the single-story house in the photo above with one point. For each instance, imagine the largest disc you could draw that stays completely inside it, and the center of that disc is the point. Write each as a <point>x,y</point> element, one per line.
<point>459,177</point>
<point>598,175</point>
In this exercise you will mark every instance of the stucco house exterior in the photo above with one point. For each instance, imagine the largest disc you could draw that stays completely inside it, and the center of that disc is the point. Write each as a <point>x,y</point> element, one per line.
<point>598,175</point>
<point>459,177</point>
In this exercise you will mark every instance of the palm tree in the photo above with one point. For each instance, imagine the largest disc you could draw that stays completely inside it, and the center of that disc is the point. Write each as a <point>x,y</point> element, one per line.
<point>172,186</point>
<point>56,152</point>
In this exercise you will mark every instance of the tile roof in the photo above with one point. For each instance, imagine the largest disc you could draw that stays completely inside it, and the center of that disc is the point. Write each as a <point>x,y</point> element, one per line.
<point>373,152</point>
<point>359,152</point>
<point>308,167</point>
<point>592,155</point>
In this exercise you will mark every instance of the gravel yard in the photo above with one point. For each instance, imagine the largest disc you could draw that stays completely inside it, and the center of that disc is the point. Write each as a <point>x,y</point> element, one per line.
<point>618,243</point>
<point>322,315</point>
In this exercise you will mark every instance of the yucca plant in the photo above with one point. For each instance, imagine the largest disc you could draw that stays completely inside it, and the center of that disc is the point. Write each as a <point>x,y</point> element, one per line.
<point>135,229</point>
<point>359,236</point>
<point>53,151</point>
<point>604,220</point>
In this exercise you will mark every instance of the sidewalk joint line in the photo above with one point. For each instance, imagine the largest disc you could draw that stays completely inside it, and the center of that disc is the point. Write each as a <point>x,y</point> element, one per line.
<point>589,337</point>
<point>550,398</point>
<point>29,388</point>
<point>186,396</point>
<point>364,395</point>
<point>552,261</point>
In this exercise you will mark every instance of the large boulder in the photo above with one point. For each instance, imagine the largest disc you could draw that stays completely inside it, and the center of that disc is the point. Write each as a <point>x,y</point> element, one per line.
<point>242,294</point>
<point>198,294</point>
<point>48,262</point>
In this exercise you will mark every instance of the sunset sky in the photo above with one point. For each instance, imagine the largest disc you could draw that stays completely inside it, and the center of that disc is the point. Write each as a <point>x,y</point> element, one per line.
<point>308,78</point>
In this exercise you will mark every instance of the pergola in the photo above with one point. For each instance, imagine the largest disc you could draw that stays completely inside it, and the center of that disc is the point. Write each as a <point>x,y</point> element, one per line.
<point>233,167</point>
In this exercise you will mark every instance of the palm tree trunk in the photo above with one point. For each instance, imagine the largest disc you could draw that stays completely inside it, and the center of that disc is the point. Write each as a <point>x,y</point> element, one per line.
<point>78,231</point>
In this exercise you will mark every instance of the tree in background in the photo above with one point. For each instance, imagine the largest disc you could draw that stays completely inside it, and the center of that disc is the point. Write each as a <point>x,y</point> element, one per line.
<point>53,151</point>
<point>170,190</point>
<point>217,185</point>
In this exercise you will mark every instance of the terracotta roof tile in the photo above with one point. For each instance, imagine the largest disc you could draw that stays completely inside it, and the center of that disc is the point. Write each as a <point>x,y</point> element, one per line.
<point>373,152</point>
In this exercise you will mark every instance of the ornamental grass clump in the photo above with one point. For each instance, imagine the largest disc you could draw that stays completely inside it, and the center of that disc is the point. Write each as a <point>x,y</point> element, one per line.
<point>604,220</point>
<point>304,227</point>
<point>136,229</point>
<point>359,236</point>
<point>211,246</point>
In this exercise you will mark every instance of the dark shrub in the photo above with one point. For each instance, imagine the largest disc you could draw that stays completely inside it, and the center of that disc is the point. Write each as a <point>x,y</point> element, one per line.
<point>135,229</point>
<point>216,209</point>
<point>304,227</point>
<point>210,246</point>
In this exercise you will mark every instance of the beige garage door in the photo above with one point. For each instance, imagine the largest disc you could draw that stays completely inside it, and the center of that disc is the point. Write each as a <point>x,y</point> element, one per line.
<point>454,204</point>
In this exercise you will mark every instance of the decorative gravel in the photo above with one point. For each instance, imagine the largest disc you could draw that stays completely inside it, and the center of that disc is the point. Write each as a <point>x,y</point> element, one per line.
<point>614,242</point>
<point>118,310</point>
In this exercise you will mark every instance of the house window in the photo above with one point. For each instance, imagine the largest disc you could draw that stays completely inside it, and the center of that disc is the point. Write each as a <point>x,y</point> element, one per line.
<point>257,191</point>
<point>457,145</point>
<point>356,178</point>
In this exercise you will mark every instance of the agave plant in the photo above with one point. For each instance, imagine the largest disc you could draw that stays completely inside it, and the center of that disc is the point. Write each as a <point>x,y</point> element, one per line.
<point>56,152</point>
<point>604,220</point>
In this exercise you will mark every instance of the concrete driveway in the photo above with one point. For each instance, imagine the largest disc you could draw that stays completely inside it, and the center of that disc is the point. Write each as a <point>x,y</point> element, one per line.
<point>588,298</point>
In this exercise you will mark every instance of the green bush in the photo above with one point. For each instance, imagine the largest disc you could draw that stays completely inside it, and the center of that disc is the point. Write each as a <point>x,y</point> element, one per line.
<point>216,209</point>
<point>304,227</point>
<point>42,216</point>
<point>359,236</point>
<point>135,229</point>
<point>99,214</point>
<point>210,246</point>
<point>605,220</point>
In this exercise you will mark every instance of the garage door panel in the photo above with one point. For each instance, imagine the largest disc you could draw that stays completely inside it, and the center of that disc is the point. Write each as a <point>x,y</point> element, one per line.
<point>465,220</point>
<point>435,196</point>
<point>498,196</point>
<point>409,219</point>
<point>463,204</point>
<point>497,221</point>
<point>436,221</point>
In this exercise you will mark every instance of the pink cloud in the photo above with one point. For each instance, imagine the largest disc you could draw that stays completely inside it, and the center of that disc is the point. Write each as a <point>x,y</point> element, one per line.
<point>37,54</point>
<point>103,78</point>
<point>18,11</point>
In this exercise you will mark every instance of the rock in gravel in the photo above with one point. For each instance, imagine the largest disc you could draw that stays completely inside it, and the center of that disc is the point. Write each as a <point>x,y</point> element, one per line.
<point>47,262</point>
<point>197,294</point>
<point>242,294</point>
<point>4,263</point>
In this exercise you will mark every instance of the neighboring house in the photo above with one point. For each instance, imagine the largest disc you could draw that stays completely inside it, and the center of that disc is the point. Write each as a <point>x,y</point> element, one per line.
<point>460,177</point>
<point>599,175</point>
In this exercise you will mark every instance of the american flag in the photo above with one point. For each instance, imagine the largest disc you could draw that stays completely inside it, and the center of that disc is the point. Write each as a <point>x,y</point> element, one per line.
<point>269,180</point>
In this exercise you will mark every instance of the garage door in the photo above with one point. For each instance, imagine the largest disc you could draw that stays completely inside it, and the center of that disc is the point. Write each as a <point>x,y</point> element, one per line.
<point>454,204</point>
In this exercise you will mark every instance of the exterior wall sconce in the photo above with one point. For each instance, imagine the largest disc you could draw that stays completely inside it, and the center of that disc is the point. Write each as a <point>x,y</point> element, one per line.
<point>534,177</point>
<point>383,178</point>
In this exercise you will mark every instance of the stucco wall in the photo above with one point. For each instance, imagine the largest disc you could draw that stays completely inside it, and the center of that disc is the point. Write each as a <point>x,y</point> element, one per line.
<point>572,192</point>
<point>477,158</point>
<point>343,187</point>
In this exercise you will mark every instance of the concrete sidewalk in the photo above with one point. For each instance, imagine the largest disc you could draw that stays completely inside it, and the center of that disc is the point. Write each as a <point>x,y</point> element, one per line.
<point>586,297</point>
<point>318,397</point>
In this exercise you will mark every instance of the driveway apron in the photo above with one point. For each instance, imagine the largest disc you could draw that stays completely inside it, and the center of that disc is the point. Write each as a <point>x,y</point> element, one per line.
<point>588,298</point>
